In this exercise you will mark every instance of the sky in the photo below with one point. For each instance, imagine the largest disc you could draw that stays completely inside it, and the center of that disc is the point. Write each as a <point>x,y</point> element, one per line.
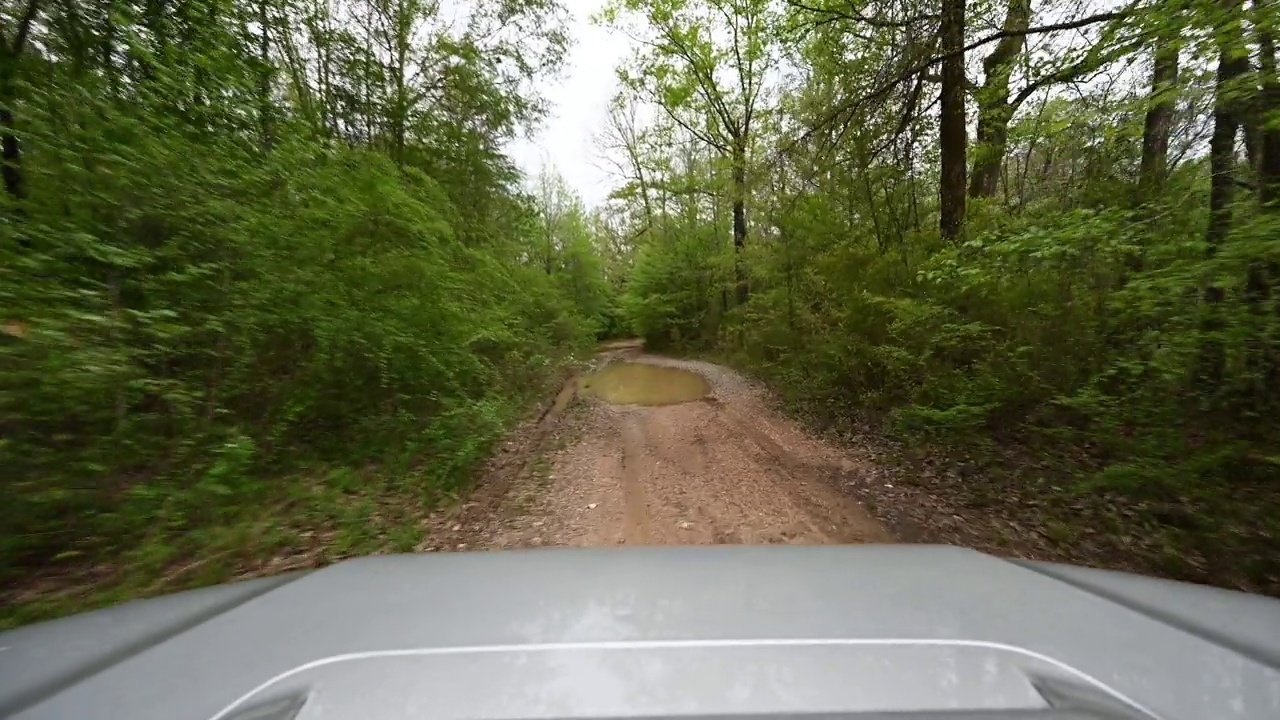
<point>579,100</point>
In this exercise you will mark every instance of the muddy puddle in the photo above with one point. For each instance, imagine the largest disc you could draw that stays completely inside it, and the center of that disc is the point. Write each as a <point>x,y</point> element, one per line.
<point>629,383</point>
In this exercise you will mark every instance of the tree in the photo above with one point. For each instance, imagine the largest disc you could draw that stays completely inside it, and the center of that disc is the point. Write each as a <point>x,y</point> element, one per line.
<point>1233,64</point>
<point>952,137</point>
<point>622,134</point>
<point>1065,312</point>
<point>705,63</point>
<point>1158,120</point>
<point>11,51</point>
<point>1264,20</point>
<point>562,216</point>
<point>994,109</point>
<point>253,246</point>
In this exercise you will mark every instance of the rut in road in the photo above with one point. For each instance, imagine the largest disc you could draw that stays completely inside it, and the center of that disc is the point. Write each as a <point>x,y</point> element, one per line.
<point>725,469</point>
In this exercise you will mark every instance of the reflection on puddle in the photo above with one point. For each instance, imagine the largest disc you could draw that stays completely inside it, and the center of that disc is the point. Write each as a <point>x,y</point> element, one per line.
<point>628,383</point>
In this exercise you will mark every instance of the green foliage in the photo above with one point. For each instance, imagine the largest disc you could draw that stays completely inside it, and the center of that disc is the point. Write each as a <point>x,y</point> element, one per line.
<point>1043,330</point>
<point>205,300</point>
<point>675,290</point>
<point>1081,318</point>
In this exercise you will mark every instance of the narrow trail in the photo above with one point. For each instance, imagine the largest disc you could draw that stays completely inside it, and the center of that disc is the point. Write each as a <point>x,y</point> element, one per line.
<point>723,469</point>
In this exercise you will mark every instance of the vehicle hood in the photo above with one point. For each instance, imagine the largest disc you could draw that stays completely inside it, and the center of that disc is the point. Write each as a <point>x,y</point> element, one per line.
<point>855,631</point>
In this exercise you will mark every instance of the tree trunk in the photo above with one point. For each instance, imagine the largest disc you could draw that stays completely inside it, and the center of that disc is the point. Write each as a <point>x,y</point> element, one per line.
<point>265,107</point>
<point>403,26</point>
<point>10,150</point>
<point>1232,64</point>
<point>107,48</point>
<point>716,216</point>
<point>740,219</point>
<point>994,109</point>
<point>1252,133</point>
<point>1159,118</point>
<point>952,137</point>
<point>1268,105</point>
<point>992,137</point>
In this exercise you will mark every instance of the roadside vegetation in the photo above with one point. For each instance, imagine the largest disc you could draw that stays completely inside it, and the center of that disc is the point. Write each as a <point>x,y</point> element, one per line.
<point>269,289</point>
<point>1039,239</point>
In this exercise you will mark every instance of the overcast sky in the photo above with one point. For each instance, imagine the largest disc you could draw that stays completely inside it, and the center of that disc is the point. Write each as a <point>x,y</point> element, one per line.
<point>579,99</point>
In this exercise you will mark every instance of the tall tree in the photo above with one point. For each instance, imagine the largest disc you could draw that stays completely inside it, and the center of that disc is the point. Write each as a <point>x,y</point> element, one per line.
<point>561,210</point>
<point>1267,107</point>
<point>11,51</point>
<point>623,134</point>
<point>952,136</point>
<point>1233,64</point>
<point>1161,101</point>
<point>994,109</point>
<point>706,63</point>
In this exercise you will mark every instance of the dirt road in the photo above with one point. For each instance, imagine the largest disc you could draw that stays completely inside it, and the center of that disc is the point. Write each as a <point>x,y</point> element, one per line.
<point>726,468</point>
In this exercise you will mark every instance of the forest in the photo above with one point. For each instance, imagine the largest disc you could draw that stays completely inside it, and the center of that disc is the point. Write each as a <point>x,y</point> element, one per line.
<point>271,285</point>
<point>1039,240</point>
<point>268,280</point>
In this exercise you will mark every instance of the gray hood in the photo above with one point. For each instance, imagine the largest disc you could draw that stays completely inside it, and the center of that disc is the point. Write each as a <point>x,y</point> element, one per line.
<point>852,631</point>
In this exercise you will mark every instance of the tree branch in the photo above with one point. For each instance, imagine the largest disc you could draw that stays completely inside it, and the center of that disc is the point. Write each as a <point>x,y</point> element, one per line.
<point>706,83</point>
<point>698,134</point>
<point>752,81</point>
<point>1083,66</point>
<point>737,56</point>
<point>1069,25</point>
<point>853,16</point>
<point>921,66</point>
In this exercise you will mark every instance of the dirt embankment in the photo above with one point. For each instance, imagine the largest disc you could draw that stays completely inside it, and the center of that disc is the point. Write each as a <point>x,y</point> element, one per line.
<point>725,468</point>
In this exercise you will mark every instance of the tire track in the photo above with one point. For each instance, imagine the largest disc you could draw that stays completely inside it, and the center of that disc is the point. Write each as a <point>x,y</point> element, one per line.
<point>726,469</point>
<point>636,531</point>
